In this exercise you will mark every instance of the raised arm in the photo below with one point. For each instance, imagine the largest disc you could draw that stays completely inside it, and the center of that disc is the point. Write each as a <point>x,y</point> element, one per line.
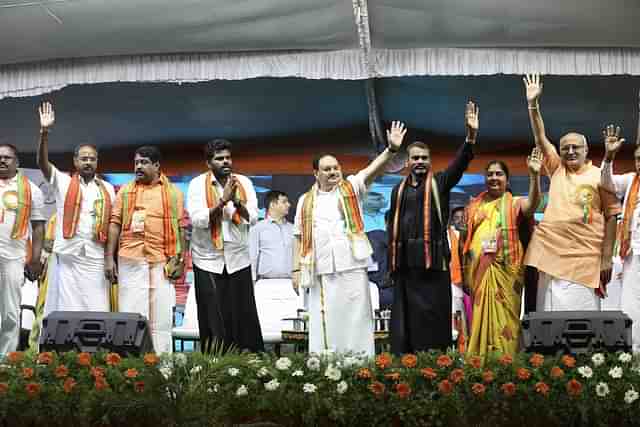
<point>395,135</point>
<point>451,176</point>
<point>47,118</point>
<point>534,163</point>
<point>612,143</point>
<point>533,86</point>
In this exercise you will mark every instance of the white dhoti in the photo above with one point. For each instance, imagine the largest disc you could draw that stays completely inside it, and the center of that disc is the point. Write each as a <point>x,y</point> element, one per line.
<point>347,322</point>
<point>52,298</point>
<point>275,300</point>
<point>563,295</point>
<point>630,301</point>
<point>11,280</point>
<point>613,302</point>
<point>144,289</point>
<point>81,284</point>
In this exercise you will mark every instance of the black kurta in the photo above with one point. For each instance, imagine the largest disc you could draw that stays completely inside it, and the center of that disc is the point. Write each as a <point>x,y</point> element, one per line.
<point>421,314</point>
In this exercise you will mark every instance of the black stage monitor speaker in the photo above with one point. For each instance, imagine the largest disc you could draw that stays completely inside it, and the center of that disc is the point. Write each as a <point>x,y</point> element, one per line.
<point>123,333</point>
<point>577,332</point>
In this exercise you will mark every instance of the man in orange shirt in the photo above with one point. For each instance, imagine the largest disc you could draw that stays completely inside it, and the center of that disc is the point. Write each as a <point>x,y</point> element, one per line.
<point>147,228</point>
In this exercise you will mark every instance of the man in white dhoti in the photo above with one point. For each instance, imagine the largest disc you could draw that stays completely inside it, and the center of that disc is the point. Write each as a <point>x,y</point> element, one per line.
<point>83,210</point>
<point>331,253</point>
<point>21,208</point>
<point>146,226</point>
<point>271,250</point>
<point>573,244</point>
<point>626,186</point>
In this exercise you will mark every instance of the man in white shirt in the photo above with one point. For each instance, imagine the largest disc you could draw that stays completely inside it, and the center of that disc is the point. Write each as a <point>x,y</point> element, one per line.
<point>83,209</point>
<point>331,253</point>
<point>626,187</point>
<point>222,205</point>
<point>21,211</point>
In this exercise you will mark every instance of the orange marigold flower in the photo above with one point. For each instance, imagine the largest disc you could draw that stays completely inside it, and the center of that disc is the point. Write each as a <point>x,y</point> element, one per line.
<point>475,361</point>
<point>150,359</point>
<point>15,357</point>
<point>556,372</point>
<point>536,360</point>
<point>429,373</point>
<point>505,360</point>
<point>376,388</point>
<point>32,389</point>
<point>488,377</point>
<point>478,389</point>
<point>131,373</point>
<point>45,358</point>
<point>84,359</point>
<point>138,386</point>
<point>4,388</point>
<point>68,385</point>
<point>509,389</point>
<point>364,373</point>
<point>444,361</point>
<point>445,387</point>
<point>113,359</point>
<point>383,361</point>
<point>393,376</point>
<point>523,374</point>
<point>61,371</point>
<point>574,388</point>
<point>457,375</point>
<point>569,361</point>
<point>97,372</point>
<point>409,360</point>
<point>542,388</point>
<point>101,384</point>
<point>27,373</point>
<point>403,390</point>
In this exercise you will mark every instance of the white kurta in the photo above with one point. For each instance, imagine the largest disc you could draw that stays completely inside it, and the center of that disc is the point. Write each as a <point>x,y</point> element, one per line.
<point>340,315</point>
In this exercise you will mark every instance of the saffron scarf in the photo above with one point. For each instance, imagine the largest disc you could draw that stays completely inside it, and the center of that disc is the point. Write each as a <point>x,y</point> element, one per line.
<point>171,226</point>
<point>508,230</point>
<point>23,208</point>
<point>430,187</point>
<point>455,266</point>
<point>213,199</point>
<point>624,231</point>
<point>71,213</point>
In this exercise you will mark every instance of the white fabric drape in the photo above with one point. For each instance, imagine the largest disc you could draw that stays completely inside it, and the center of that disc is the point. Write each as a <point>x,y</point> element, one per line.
<point>32,79</point>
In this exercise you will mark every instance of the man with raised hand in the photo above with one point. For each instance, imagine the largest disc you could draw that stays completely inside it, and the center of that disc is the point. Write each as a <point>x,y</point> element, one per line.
<point>83,211</point>
<point>572,246</point>
<point>331,252</point>
<point>21,211</point>
<point>419,252</point>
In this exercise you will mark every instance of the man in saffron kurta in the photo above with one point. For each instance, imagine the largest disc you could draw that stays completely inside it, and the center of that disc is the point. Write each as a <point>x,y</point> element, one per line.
<point>418,247</point>
<point>146,228</point>
<point>21,205</point>
<point>331,253</point>
<point>83,210</point>
<point>222,205</point>
<point>574,241</point>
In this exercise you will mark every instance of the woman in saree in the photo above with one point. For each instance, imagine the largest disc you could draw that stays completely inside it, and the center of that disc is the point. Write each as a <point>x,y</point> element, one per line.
<point>492,255</point>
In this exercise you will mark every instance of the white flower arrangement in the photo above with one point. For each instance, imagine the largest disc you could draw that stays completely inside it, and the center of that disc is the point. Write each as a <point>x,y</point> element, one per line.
<point>233,371</point>
<point>297,373</point>
<point>333,373</point>
<point>602,389</point>
<point>615,372</point>
<point>350,361</point>
<point>272,385</point>
<point>342,387</point>
<point>283,363</point>
<point>313,363</point>
<point>309,388</point>
<point>262,372</point>
<point>195,369</point>
<point>598,359</point>
<point>242,391</point>
<point>180,359</point>
<point>630,396</point>
<point>625,357</point>
<point>213,389</point>
<point>585,371</point>
<point>166,372</point>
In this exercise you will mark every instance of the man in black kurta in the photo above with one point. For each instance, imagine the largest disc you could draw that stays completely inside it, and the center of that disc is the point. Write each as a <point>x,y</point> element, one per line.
<point>418,255</point>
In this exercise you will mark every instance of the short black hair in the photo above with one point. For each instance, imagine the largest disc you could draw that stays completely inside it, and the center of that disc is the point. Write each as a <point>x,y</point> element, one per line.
<point>315,163</point>
<point>150,152</point>
<point>502,165</point>
<point>76,150</point>
<point>418,144</point>
<point>11,147</point>
<point>456,209</point>
<point>273,196</point>
<point>215,145</point>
